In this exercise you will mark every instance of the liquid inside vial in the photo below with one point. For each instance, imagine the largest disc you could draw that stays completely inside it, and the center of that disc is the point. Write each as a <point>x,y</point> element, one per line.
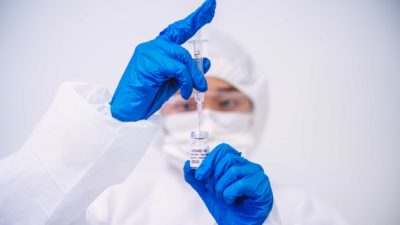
<point>199,148</point>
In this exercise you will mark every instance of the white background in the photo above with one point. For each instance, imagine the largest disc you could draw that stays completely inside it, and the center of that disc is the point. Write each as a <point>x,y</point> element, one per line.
<point>333,68</point>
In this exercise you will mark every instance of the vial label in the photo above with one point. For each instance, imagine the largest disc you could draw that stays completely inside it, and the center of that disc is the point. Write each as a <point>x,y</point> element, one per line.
<point>197,155</point>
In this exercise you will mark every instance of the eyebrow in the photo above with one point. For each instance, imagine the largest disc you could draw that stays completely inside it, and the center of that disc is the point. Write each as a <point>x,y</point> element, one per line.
<point>228,89</point>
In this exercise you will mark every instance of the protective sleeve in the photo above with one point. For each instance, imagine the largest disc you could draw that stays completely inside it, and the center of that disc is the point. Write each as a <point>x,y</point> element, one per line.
<point>298,207</point>
<point>75,152</point>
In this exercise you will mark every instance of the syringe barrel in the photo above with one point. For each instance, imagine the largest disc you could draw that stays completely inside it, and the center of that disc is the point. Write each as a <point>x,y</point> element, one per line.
<point>199,97</point>
<point>199,63</point>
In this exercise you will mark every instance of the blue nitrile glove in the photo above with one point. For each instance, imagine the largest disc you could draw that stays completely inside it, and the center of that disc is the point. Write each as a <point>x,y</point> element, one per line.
<point>160,67</point>
<point>235,190</point>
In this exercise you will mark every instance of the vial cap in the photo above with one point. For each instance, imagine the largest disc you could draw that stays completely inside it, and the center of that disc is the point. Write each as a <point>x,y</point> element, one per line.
<point>199,134</point>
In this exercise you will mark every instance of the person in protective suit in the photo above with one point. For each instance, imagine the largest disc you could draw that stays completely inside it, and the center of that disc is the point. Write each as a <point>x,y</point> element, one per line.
<point>97,159</point>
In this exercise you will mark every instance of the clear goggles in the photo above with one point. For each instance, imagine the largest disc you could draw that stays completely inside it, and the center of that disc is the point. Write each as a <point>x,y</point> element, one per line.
<point>223,101</point>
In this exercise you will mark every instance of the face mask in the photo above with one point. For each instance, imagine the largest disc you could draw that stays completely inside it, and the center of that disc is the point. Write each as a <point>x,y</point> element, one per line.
<point>223,127</point>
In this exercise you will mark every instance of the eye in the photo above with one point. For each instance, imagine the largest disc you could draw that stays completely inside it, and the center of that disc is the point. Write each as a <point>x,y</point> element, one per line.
<point>185,107</point>
<point>227,104</point>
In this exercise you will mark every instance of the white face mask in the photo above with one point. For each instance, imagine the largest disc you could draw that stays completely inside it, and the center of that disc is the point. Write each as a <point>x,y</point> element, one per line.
<point>223,127</point>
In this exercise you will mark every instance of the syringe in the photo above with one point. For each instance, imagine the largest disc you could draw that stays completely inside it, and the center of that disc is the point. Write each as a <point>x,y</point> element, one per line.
<point>198,58</point>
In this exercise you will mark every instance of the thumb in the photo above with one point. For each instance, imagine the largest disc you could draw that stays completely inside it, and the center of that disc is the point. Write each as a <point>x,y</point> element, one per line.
<point>189,174</point>
<point>198,186</point>
<point>206,65</point>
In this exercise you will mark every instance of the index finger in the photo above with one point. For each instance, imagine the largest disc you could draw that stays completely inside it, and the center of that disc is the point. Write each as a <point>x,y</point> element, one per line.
<point>182,30</point>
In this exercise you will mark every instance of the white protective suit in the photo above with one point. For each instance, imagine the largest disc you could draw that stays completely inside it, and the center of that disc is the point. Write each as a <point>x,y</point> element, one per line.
<point>80,166</point>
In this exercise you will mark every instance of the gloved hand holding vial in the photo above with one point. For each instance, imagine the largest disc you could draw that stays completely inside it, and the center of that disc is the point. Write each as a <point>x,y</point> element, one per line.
<point>232,187</point>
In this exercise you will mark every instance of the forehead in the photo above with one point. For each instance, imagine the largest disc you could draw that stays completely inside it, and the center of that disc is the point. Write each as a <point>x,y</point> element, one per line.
<point>216,84</point>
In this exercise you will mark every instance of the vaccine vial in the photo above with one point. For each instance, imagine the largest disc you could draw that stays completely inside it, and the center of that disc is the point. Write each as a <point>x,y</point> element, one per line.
<point>198,148</point>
